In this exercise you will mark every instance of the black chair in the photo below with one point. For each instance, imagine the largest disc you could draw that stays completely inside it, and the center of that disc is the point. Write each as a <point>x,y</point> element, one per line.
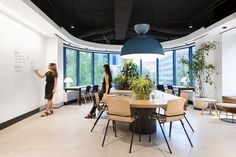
<point>86,94</point>
<point>161,88</point>
<point>95,89</point>
<point>171,88</point>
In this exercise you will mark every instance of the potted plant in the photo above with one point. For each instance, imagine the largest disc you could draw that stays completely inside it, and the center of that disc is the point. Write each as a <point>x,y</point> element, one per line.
<point>203,72</point>
<point>142,87</point>
<point>127,74</point>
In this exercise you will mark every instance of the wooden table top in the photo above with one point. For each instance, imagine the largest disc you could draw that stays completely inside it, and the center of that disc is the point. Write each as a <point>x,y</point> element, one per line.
<point>160,101</point>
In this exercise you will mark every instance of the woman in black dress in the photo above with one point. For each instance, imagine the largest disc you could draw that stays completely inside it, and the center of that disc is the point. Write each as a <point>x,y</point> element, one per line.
<point>106,87</point>
<point>50,88</point>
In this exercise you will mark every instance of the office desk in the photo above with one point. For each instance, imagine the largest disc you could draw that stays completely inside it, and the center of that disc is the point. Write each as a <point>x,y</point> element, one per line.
<point>75,88</point>
<point>180,88</point>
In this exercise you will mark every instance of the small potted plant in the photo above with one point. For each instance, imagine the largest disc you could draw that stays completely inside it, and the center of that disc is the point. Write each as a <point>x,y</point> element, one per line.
<point>142,87</point>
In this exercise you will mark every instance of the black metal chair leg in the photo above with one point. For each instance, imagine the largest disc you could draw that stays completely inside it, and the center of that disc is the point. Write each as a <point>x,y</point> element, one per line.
<point>139,130</point>
<point>164,135</point>
<point>105,133</point>
<point>150,127</point>
<point>114,127</point>
<point>186,132</point>
<point>132,137</point>
<point>170,129</point>
<point>188,123</point>
<point>99,116</point>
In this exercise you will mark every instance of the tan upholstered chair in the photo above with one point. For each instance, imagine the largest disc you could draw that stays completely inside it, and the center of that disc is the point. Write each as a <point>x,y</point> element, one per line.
<point>119,110</point>
<point>174,112</point>
<point>185,97</point>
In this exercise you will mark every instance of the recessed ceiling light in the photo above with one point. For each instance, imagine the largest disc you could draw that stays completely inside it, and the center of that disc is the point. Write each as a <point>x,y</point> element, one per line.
<point>224,27</point>
<point>72,26</point>
<point>190,26</point>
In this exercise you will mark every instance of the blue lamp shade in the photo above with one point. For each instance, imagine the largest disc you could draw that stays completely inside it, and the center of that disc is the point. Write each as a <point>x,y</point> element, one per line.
<point>142,47</point>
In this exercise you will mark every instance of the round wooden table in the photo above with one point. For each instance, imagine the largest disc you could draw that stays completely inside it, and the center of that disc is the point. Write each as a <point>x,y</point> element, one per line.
<point>146,107</point>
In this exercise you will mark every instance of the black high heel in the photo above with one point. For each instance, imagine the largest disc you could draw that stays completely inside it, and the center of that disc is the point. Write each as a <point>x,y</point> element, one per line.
<point>90,115</point>
<point>45,114</point>
<point>51,112</point>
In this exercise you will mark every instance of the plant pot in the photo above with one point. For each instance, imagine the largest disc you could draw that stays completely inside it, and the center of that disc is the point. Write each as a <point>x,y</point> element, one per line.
<point>143,95</point>
<point>197,106</point>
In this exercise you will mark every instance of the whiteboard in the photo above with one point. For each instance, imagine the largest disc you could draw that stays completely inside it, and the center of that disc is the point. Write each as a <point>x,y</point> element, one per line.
<point>21,50</point>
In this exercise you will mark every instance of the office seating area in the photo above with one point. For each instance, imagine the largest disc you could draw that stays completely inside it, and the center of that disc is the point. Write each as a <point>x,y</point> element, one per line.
<point>117,78</point>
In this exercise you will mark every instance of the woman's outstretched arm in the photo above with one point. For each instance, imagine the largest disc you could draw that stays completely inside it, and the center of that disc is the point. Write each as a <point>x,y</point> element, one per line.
<point>39,75</point>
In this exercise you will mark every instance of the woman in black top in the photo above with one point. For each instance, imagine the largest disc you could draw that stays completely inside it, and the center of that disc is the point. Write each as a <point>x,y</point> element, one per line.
<point>51,83</point>
<point>106,87</point>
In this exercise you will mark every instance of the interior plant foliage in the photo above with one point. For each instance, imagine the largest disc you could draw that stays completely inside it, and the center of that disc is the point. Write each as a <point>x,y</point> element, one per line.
<point>202,70</point>
<point>128,72</point>
<point>142,87</point>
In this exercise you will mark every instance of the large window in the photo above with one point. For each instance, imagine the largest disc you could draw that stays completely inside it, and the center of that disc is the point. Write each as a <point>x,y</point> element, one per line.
<point>99,60</point>
<point>85,68</point>
<point>137,62</point>
<point>166,68</point>
<point>71,68</point>
<point>115,64</point>
<point>182,70</point>
<point>149,70</point>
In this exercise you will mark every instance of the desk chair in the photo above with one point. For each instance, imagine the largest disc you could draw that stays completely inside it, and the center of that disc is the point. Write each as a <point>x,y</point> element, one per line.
<point>119,110</point>
<point>161,88</point>
<point>94,90</point>
<point>174,112</point>
<point>170,87</point>
<point>86,94</point>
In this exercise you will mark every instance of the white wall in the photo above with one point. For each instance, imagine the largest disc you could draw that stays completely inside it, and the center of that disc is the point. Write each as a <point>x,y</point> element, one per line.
<point>20,92</point>
<point>54,54</point>
<point>224,59</point>
<point>215,59</point>
<point>229,63</point>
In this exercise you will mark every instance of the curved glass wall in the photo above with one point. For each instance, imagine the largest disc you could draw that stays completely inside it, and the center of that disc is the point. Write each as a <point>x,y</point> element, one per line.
<point>166,68</point>
<point>85,68</point>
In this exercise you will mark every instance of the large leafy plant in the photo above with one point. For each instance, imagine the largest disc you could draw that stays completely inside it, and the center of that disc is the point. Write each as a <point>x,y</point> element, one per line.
<point>201,69</point>
<point>142,87</point>
<point>127,74</point>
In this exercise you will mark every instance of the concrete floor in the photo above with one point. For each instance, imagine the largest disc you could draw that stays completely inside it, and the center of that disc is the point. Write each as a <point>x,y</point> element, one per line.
<point>67,134</point>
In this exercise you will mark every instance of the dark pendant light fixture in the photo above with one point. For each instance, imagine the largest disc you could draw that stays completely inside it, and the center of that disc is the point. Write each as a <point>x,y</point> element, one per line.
<point>142,46</point>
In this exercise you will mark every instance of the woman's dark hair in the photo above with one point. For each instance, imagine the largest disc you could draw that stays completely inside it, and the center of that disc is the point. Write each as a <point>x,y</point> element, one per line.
<point>108,71</point>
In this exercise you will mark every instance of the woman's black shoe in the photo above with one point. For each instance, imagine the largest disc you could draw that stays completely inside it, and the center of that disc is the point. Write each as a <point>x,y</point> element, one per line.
<point>90,115</point>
